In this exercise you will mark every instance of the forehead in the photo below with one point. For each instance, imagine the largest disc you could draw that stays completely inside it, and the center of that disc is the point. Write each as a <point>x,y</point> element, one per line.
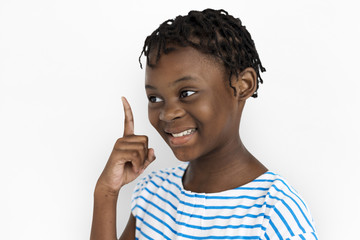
<point>180,61</point>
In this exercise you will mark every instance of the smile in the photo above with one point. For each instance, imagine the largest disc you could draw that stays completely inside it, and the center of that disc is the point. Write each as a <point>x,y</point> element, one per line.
<point>184,133</point>
<point>180,138</point>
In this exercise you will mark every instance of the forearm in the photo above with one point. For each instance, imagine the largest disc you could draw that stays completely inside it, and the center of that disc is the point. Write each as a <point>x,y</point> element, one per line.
<point>129,158</point>
<point>104,215</point>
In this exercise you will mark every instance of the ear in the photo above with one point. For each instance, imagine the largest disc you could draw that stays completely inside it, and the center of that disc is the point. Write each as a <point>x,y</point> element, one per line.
<point>246,84</point>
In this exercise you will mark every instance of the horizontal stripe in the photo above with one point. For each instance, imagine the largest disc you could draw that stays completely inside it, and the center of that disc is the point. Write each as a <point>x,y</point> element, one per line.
<point>206,196</point>
<point>223,216</point>
<point>200,227</point>
<point>266,207</point>
<point>207,206</point>
<point>200,216</point>
<point>187,235</point>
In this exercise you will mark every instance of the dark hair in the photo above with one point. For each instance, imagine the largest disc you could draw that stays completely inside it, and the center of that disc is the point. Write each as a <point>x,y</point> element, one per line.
<point>213,32</point>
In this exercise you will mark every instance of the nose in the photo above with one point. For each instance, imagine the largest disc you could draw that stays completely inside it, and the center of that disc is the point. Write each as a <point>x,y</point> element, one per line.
<point>171,111</point>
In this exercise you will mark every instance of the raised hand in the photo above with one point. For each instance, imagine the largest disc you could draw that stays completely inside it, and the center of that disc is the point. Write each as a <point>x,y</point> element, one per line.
<point>129,157</point>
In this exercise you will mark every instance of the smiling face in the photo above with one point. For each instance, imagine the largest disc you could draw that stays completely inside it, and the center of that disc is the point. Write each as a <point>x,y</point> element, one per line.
<point>192,105</point>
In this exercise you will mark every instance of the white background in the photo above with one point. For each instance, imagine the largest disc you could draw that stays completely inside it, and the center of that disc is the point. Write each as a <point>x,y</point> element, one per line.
<point>65,64</point>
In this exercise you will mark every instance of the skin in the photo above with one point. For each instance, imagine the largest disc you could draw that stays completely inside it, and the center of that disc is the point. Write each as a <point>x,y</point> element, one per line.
<point>129,158</point>
<point>186,90</point>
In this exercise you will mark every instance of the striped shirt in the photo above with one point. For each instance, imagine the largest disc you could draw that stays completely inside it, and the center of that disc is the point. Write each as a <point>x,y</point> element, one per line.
<point>266,208</point>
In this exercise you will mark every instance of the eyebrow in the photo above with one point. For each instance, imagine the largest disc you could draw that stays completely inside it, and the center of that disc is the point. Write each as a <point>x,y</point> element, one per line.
<point>177,81</point>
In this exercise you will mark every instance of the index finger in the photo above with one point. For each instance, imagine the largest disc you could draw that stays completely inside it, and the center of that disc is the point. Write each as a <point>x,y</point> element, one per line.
<point>129,119</point>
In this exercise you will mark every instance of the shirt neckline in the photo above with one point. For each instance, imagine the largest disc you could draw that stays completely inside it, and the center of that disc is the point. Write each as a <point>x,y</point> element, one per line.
<point>180,170</point>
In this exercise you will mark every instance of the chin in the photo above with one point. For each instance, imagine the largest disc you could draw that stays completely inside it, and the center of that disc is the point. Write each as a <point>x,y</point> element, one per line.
<point>183,155</point>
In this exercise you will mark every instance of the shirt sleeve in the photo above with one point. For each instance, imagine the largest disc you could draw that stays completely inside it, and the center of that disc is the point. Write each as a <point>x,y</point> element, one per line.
<point>137,194</point>
<point>304,236</point>
<point>289,217</point>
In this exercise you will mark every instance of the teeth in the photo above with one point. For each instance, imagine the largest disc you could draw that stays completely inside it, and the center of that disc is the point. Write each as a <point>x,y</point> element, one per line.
<point>184,133</point>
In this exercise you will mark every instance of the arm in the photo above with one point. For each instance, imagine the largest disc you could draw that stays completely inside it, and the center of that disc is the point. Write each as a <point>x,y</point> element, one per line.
<point>104,215</point>
<point>127,161</point>
<point>129,231</point>
<point>104,218</point>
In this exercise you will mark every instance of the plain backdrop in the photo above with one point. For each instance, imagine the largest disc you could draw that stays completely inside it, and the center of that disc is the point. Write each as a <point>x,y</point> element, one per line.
<point>64,66</point>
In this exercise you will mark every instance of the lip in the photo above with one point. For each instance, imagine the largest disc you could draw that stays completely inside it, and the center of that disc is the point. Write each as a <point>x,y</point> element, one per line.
<point>177,130</point>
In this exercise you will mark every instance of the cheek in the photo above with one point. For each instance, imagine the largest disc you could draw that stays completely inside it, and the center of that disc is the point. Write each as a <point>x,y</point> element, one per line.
<point>152,115</point>
<point>215,118</point>
<point>208,114</point>
<point>212,110</point>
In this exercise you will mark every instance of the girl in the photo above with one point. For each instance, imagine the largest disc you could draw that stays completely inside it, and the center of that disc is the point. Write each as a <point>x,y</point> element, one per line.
<point>201,68</point>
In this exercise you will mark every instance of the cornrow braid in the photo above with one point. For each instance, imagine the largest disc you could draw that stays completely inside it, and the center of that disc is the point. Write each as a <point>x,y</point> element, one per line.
<point>213,32</point>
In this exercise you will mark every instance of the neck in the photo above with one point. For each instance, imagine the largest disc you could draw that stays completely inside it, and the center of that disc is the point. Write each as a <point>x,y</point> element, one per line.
<point>223,169</point>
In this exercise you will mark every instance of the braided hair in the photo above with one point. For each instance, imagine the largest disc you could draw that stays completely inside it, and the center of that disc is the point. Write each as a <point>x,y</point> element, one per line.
<point>213,32</point>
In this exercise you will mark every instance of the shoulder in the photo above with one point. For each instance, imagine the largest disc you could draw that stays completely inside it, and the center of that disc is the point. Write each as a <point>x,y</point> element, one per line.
<point>159,182</point>
<point>169,175</point>
<point>288,214</point>
<point>280,190</point>
<point>281,193</point>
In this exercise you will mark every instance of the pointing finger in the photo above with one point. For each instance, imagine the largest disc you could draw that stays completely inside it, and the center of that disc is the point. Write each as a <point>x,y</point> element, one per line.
<point>129,119</point>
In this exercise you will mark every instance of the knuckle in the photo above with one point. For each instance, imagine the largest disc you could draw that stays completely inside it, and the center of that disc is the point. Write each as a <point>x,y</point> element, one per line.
<point>144,138</point>
<point>141,146</point>
<point>137,144</point>
<point>119,140</point>
<point>135,154</point>
<point>118,145</point>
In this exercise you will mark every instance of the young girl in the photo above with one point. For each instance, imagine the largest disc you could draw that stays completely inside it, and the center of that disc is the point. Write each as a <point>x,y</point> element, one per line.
<point>201,68</point>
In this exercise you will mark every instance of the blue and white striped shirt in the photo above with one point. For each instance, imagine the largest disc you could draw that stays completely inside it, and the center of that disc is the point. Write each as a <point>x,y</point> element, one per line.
<point>266,208</point>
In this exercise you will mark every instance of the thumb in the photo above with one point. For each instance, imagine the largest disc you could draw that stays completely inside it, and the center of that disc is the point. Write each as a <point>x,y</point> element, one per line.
<point>150,158</point>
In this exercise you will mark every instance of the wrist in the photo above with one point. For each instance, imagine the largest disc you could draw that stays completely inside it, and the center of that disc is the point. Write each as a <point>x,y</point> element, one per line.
<point>106,191</point>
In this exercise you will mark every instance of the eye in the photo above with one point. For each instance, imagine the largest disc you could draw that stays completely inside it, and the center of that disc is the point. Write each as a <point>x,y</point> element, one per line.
<point>154,99</point>
<point>186,93</point>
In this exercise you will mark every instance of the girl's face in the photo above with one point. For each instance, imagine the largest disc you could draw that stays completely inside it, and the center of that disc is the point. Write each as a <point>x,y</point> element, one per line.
<point>191,104</point>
